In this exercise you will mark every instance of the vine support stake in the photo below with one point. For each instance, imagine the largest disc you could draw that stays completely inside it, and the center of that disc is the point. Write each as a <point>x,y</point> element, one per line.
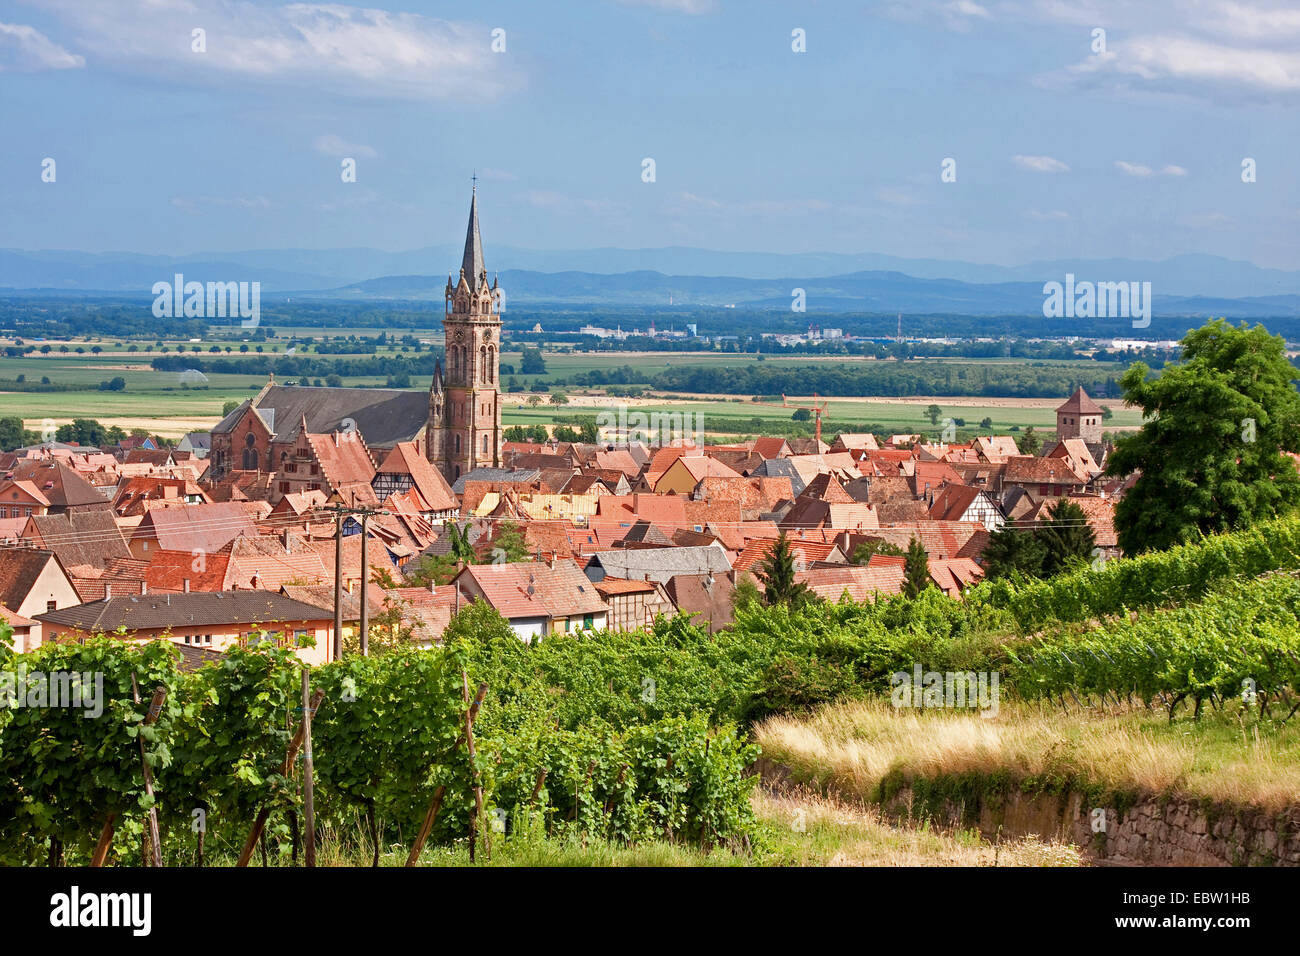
<point>105,840</point>
<point>155,708</point>
<point>259,823</point>
<point>308,783</point>
<point>470,716</point>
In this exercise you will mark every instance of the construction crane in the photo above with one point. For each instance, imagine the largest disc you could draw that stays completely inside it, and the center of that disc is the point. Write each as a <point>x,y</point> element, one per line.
<point>818,409</point>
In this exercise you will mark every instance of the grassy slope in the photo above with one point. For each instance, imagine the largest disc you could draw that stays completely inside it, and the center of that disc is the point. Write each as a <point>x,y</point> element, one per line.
<point>1231,756</point>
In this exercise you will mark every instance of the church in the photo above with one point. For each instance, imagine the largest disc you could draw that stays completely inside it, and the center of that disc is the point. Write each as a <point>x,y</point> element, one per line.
<point>457,426</point>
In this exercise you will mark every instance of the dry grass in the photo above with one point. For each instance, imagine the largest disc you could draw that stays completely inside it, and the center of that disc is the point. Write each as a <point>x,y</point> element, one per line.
<point>852,747</point>
<point>822,831</point>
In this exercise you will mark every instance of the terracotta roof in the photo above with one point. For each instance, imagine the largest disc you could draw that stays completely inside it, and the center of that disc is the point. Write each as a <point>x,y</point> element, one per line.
<point>405,459</point>
<point>996,448</point>
<point>952,502</point>
<point>19,569</point>
<point>556,592</point>
<point>58,483</point>
<point>861,584</point>
<point>1030,470</point>
<point>758,550</point>
<point>79,538</point>
<point>608,587</point>
<point>771,447</point>
<point>26,488</point>
<point>1079,403</point>
<point>344,458</point>
<point>954,575</point>
<point>207,528</point>
<point>169,570</point>
<point>855,440</point>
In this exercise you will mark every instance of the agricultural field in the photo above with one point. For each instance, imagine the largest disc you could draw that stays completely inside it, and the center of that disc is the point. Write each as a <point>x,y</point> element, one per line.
<point>171,403</point>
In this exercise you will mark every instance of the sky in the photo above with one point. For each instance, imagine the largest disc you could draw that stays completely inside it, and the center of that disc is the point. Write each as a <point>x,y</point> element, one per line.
<point>1065,142</point>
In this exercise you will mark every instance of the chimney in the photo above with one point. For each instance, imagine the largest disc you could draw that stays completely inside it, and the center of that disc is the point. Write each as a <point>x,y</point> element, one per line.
<point>285,537</point>
<point>552,560</point>
<point>108,591</point>
<point>185,586</point>
<point>144,587</point>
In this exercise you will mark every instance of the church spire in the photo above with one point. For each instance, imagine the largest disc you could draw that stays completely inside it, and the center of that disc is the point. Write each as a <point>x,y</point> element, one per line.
<point>472,262</point>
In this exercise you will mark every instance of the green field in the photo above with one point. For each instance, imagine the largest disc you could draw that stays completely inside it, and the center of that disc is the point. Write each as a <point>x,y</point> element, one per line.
<point>171,403</point>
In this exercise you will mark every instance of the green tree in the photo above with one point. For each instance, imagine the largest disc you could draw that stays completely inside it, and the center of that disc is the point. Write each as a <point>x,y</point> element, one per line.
<point>1066,537</point>
<point>933,413</point>
<point>863,553</point>
<point>916,569</point>
<point>229,407</point>
<point>509,544</point>
<point>559,398</point>
<point>1011,550</point>
<point>1029,442</point>
<point>460,549</point>
<point>12,434</point>
<point>986,423</point>
<point>1210,451</point>
<point>532,362</point>
<point>777,574</point>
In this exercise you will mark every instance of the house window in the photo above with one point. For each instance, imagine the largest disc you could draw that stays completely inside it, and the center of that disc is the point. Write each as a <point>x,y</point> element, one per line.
<point>587,622</point>
<point>51,606</point>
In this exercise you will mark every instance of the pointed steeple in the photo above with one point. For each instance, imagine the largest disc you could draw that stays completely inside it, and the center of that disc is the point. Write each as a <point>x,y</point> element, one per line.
<point>472,262</point>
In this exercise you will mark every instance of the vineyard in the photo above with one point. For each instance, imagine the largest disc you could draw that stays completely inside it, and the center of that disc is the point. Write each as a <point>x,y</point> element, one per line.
<point>617,739</point>
<point>389,736</point>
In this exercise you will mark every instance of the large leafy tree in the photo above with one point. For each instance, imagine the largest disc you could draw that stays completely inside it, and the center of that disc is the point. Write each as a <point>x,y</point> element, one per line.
<point>1210,451</point>
<point>1066,537</point>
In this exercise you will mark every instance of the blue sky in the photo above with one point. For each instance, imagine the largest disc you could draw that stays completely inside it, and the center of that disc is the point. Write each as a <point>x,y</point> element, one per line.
<point>1060,151</point>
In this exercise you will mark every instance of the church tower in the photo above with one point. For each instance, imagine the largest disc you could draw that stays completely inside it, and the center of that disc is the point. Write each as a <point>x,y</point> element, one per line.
<point>464,430</point>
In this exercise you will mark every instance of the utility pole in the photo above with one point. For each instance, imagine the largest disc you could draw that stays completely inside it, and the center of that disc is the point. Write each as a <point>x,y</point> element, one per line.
<point>338,586</point>
<point>339,514</point>
<point>365,575</point>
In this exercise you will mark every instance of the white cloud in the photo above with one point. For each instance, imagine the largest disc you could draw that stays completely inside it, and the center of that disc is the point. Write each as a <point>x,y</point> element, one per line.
<point>338,48</point>
<point>332,145</point>
<point>193,204</point>
<point>1140,169</point>
<point>1051,215</point>
<point>896,197</point>
<point>561,203</point>
<point>693,7</point>
<point>1040,164</point>
<point>968,8</point>
<point>26,48</point>
<point>1188,46</point>
<point>1133,169</point>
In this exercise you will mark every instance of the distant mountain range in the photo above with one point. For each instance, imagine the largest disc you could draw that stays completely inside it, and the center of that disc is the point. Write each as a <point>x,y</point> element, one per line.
<point>832,282</point>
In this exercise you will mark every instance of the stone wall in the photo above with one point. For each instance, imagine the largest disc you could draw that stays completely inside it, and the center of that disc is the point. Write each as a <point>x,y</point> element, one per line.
<point>1152,832</point>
